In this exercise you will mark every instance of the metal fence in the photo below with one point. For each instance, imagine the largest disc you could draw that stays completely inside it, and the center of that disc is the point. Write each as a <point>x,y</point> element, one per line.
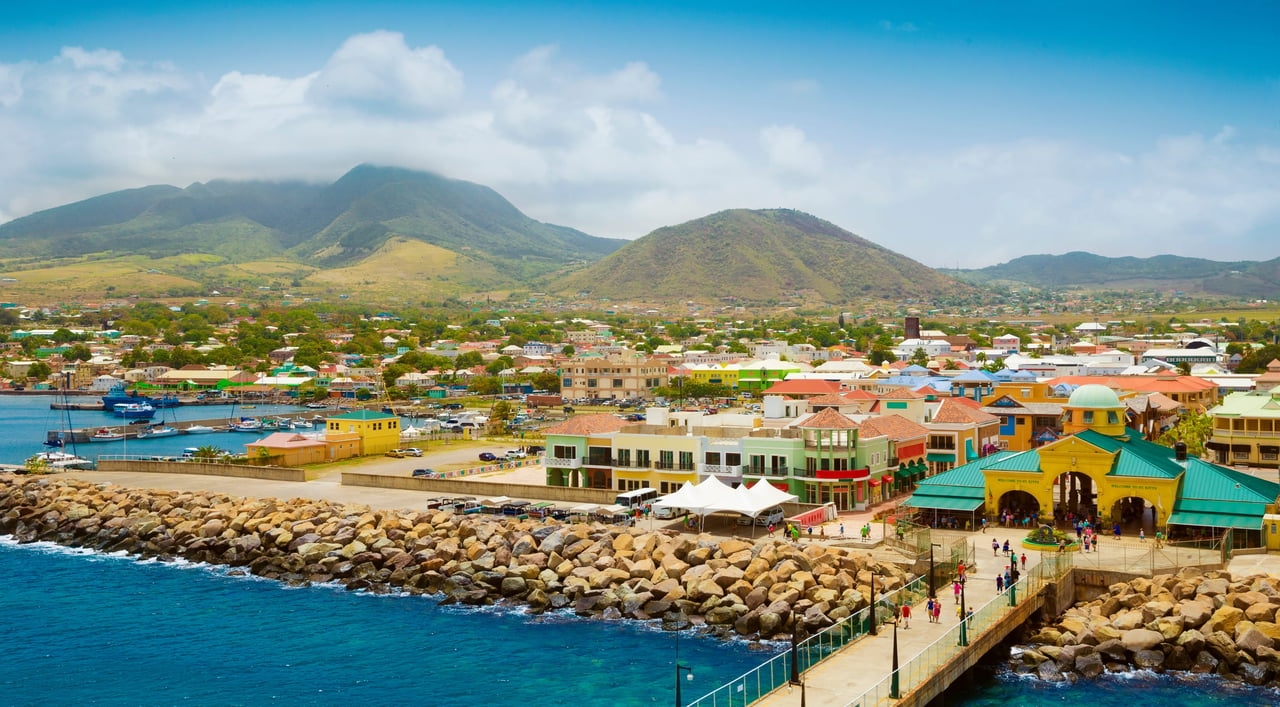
<point>923,665</point>
<point>776,672</point>
<point>1152,557</point>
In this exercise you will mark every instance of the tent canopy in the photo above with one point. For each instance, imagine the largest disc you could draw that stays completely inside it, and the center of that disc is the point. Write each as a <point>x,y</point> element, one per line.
<point>713,495</point>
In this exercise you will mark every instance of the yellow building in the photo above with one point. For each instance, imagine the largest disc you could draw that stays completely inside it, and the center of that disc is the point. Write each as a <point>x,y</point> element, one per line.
<point>1030,414</point>
<point>1106,473</point>
<point>725,374</point>
<point>379,432</point>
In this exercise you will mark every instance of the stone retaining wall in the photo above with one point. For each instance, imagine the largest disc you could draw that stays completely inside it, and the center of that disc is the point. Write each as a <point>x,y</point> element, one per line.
<point>480,489</point>
<point>239,471</point>
<point>755,589</point>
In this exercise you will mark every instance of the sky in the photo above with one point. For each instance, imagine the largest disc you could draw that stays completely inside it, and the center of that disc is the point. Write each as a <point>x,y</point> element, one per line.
<point>959,134</point>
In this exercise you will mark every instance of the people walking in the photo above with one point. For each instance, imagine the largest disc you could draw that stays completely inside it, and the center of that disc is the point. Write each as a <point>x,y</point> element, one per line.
<point>937,612</point>
<point>999,583</point>
<point>906,616</point>
<point>928,609</point>
<point>1006,547</point>
<point>1024,560</point>
<point>995,547</point>
<point>955,591</point>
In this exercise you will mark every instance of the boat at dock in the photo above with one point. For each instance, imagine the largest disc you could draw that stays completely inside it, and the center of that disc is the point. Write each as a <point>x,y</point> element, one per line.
<point>106,434</point>
<point>135,411</point>
<point>119,395</point>
<point>60,460</point>
<point>247,424</point>
<point>154,431</point>
<point>198,430</point>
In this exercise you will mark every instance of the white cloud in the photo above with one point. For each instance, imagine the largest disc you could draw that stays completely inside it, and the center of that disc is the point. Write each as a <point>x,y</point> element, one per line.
<point>378,72</point>
<point>597,150</point>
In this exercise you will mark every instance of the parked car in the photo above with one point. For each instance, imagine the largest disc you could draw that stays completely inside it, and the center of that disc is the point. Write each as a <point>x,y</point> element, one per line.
<point>514,454</point>
<point>424,472</point>
<point>412,452</point>
<point>488,456</point>
<point>397,453</point>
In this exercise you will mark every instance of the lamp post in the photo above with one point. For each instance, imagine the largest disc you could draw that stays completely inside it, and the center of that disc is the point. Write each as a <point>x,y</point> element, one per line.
<point>964,618</point>
<point>894,686</point>
<point>680,669</point>
<point>795,661</point>
<point>871,630</point>
<point>933,591</point>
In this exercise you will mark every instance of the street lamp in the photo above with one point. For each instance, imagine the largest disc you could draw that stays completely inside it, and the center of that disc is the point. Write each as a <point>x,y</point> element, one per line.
<point>933,591</point>
<point>795,661</point>
<point>894,687</point>
<point>680,669</point>
<point>871,630</point>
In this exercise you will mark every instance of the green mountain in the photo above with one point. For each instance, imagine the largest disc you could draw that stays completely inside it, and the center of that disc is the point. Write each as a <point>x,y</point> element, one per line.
<point>757,256</point>
<point>1247,279</point>
<point>329,226</point>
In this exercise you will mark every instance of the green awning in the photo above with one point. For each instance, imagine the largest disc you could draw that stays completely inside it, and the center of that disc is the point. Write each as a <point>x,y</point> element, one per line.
<point>944,503</point>
<point>939,457</point>
<point>904,473</point>
<point>1215,520</point>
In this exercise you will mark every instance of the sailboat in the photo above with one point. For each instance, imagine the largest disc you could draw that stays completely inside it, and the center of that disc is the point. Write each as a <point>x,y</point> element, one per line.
<point>58,440</point>
<point>159,429</point>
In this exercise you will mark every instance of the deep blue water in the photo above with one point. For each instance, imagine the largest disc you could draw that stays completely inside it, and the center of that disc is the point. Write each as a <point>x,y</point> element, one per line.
<point>1124,690</point>
<point>81,628</point>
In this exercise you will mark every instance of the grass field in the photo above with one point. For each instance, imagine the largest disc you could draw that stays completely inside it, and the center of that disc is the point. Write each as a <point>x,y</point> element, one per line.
<point>70,280</point>
<point>406,267</point>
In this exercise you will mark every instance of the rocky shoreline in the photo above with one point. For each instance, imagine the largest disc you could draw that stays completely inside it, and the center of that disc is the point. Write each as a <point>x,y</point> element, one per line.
<point>1194,621</point>
<point>754,590</point>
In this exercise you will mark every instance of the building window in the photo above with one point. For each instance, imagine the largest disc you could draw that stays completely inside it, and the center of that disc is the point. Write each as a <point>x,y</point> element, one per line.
<point>642,457</point>
<point>757,463</point>
<point>624,458</point>
<point>686,461</point>
<point>942,442</point>
<point>617,382</point>
<point>666,459</point>
<point>591,382</point>
<point>564,451</point>
<point>1088,417</point>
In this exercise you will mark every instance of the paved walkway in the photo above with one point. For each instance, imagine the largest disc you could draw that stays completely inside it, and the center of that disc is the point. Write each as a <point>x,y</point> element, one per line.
<point>856,669</point>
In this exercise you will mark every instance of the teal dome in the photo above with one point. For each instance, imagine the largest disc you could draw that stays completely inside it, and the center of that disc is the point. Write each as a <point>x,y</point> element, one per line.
<point>1093,396</point>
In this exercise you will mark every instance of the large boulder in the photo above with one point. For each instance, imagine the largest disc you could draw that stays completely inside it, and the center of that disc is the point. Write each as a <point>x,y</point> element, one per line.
<point>1141,639</point>
<point>1090,666</point>
<point>1149,659</point>
<point>1224,619</point>
<point>1253,639</point>
<point>1194,613</point>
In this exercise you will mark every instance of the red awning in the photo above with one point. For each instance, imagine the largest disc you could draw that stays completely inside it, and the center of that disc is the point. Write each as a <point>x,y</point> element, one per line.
<point>874,482</point>
<point>887,479</point>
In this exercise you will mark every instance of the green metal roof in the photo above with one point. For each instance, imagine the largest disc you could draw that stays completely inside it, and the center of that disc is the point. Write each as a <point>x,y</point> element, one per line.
<point>1131,464</point>
<point>1099,440</point>
<point>1019,461</point>
<point>1215,520</point>
<point>1256,404</point>
<point>1192,505</point>
<point>944,503</point>
<point>1210,481</point>
<point>964,476</point>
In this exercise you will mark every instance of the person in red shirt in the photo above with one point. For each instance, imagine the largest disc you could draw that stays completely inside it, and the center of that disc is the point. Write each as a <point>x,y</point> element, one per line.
<point>906,616</point>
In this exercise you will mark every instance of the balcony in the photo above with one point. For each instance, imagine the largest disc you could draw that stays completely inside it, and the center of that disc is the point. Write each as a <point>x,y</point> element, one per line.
<point>563,463</point>
<point>722,469</point>
<point>630,464</point>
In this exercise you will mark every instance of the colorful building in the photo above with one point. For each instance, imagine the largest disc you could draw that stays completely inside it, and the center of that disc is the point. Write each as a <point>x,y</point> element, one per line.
<point>377,432</point>
<point>1106,472</point>
<point>1030,414</point>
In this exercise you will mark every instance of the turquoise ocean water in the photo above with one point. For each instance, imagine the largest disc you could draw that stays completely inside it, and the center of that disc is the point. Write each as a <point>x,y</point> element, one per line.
<point>83,628</point>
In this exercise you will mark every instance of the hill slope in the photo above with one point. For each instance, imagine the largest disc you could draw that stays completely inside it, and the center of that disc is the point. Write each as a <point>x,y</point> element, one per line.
<point>336,225</point>
<point>758,256</point>
<point>1248,279</point>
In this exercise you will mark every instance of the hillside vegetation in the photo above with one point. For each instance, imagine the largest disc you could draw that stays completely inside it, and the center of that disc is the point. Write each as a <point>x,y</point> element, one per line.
<point>334,227</point>
<point>759,256</point>
<point>1247,279</point>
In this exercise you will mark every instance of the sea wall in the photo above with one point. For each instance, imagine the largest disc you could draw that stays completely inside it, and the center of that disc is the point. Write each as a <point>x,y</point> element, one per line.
<point>480,489</point>
<point>1197,621</point>
<point>239,471</point>
<point>760,589</point>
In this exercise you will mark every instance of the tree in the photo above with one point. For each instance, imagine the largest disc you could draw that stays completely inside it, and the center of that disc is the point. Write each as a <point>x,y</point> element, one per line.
<point>568,350</point>
<point>548,381</point>
<point>79,352</point>
<point>880,355</point>
<point>485,385</point>
<point>208,451</point>
<point>920,358</point>
<point>1193,429</point>
<point>39,371</point>
<point>470,359</point>
<point>501,411</point>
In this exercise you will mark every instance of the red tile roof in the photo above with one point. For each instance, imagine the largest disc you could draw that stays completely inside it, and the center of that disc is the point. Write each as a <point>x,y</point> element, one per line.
<point>828,419</point>
<point>893,426</point>
<point>954,412</point>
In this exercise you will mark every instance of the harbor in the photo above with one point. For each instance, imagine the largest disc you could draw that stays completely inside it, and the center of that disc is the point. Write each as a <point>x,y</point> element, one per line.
<point>136,429</point>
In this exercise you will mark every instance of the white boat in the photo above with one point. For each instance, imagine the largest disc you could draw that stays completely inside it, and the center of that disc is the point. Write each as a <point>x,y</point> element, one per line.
<point>300,424</point>
<point>247,424</point>
<point>135,411</point>
<point>63,460</point>
<point>198,430</point>
<point>157,431</point>
<point>106,434</point>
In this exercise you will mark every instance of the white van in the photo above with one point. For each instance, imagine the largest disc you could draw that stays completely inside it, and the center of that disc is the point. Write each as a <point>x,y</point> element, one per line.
<point>667,512</point>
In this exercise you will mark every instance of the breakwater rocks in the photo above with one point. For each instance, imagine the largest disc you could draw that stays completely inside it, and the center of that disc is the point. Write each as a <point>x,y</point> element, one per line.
<point>760,589</point>
<point>1201,622</point>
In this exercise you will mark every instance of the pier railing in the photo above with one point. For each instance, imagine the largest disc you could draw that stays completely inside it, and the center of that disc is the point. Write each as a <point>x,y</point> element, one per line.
<point>924,664</point>
<point>776,672</point>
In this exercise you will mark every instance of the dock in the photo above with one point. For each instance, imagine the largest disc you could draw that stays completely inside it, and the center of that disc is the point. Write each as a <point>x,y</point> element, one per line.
<point>81,435</point>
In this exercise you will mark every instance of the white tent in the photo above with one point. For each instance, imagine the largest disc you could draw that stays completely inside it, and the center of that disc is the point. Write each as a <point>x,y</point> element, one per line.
<point>769,495</point>
<point>713,495</point>
<point>684,497</point>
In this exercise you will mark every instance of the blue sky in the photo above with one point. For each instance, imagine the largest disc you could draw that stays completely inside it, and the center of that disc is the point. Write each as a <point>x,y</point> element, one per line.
<point>958,133</point>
